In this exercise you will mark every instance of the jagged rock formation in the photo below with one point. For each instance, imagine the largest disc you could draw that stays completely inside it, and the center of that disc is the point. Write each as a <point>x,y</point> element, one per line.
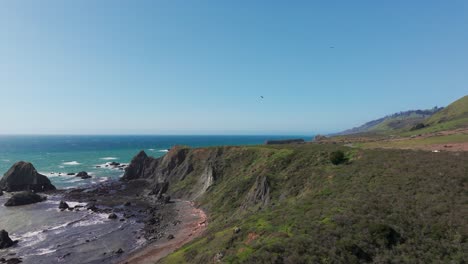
<point>24,198</point>
<point>171,168</point>
<point>190,173</point>
<point>5,240</point>
<point>22,176</point>
<point>259,193</point>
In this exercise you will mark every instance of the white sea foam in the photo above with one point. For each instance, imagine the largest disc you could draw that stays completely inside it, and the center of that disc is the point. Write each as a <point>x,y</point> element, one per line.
<point>108,166</point>
<point>43,251</point>
<point>74,179</point>
<point>50,201</point>
<point>109,158</point>
<point>163,150</point>
<point>103,179</point>
<point>151,149</point>
<point>5,160</point>
<point>71,163</point>
<point>56,174</point>
<point>30,238</point>
<point>95,220</point>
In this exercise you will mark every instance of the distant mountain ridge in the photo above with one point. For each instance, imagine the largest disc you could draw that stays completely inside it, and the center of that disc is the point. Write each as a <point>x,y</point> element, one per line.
<point>400,120</point>
<point>454,116</point>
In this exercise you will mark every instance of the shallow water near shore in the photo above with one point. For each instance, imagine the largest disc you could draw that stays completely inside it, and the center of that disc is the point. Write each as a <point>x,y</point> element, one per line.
<point>48,235</point>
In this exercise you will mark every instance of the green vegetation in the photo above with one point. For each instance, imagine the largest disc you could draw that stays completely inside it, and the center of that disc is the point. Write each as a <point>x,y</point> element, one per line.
<point>456,110</point>
<point>337,157</point>
<point>417,142</point>
<point>411,122</point>
<point>383,206</point>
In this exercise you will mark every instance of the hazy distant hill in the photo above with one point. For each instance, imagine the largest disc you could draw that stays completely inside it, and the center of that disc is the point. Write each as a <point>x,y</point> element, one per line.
<point>398,121</point>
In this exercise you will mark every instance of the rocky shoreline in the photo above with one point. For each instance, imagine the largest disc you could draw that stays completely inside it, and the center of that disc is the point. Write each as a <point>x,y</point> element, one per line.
<point>132,202</point>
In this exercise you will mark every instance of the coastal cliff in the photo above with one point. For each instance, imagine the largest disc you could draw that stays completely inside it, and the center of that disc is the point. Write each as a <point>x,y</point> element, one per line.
<point>292,204</point>
<point>190,173</point>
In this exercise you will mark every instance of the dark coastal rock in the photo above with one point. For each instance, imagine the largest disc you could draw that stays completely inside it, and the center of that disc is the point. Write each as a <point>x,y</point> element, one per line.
<point>22,176</point>
<point>136,167</point>
<point>112,216</point>
<point>166,199</point>
<point>70,173</point>
<point>13,261</point>
<point>173,167</point>
<point>127,203</point>
<point>160,188</point>
<point>1,192</point>
<point>285,141</point>
<point>5,240</point>
<point>23,198</point>
<point>174,163</point>
<point>119,251</point>
<point>113,163</point>
<point>63,205</point>
<point>83,175</point>
<point>92,207</point>
<point>170,236</point>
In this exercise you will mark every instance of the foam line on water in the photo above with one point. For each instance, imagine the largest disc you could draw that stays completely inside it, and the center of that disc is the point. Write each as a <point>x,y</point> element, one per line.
<point>71,163</point>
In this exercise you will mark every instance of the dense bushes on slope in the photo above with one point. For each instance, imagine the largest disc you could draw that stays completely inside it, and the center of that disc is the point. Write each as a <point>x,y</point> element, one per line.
<point>290,204</point>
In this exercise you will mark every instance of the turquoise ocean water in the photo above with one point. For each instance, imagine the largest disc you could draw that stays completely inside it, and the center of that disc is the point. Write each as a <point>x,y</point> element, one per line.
<point>52,155</point>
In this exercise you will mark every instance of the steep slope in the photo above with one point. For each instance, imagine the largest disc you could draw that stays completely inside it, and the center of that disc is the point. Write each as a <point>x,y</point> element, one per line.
<point>453,116</point>
<point>290,204</point>
<point>392,123</point>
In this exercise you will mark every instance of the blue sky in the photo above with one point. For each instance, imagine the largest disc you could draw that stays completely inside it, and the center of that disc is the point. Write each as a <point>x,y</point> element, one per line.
<point>200,67</point>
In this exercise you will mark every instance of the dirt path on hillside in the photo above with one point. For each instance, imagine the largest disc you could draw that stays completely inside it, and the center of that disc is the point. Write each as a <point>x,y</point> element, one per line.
<point>193,222</point>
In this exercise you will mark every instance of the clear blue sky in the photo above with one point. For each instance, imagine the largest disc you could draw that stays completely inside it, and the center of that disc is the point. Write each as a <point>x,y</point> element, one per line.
<point>200,67</point>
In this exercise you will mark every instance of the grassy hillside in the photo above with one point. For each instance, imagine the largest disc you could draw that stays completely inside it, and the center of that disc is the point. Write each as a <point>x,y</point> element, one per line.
<point>456,110</point>
<point>452,117</point>
<point>402,121</point>
<point>408,123</point>
<point>290,204</point>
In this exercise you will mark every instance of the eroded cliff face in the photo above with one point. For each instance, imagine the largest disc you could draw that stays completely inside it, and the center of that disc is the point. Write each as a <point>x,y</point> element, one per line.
<point>190,173</point>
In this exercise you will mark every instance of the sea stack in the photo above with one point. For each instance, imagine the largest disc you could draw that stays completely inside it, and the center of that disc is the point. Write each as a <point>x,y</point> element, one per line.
<point>22,176</point>
<point>5,240</point>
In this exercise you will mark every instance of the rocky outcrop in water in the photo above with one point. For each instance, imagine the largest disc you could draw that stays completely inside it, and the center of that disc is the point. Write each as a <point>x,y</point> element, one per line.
<point>63,205</point>
<point>83,175</point>
<point>22,176</point>
<point>5,240</point>
<point>24,198</point>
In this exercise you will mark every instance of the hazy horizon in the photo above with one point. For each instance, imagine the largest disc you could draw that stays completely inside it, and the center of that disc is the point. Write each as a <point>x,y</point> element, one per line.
<point>202,67</point>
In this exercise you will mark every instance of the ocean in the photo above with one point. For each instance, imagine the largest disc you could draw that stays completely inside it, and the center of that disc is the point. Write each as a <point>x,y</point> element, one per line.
<point>52,155</point>
<point>47,235</point>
